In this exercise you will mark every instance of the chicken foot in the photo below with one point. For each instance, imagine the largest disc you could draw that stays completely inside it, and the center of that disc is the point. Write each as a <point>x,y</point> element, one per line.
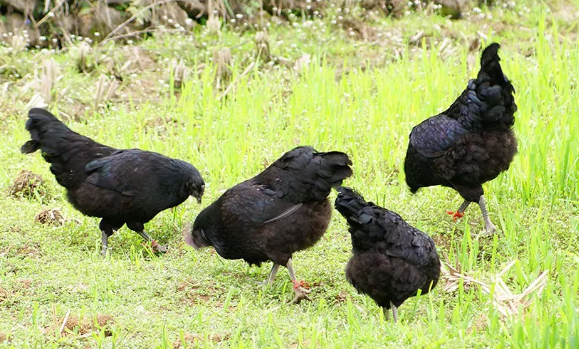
<point>299,290</point>
<point>458,214</point>
<point>490,228</point>
<point>154,244</point>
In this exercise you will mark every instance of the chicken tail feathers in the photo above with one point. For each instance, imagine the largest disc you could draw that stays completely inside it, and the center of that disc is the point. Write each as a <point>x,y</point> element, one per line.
<point>304,174</point>
<point>334,168</point>
<point>488,99</point>
<point>365,220</point>
<point>350,204</point>
<point>495,89</point>
<point>66,151</point>
<point>52,137</point>
<point>491,68</point>
<point>41,123</point>
<point>324,172</point>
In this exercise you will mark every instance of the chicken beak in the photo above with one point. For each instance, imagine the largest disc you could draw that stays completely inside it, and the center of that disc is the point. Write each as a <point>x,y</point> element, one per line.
<point>198,199</point>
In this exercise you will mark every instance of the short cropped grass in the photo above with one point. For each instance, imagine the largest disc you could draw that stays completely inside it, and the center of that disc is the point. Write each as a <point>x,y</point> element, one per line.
<point>359,104</point>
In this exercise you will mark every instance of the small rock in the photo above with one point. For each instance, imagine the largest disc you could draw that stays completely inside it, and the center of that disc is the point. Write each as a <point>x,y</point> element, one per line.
<point>22,6</point>
<point>170,14</point>
<point>453,8</point>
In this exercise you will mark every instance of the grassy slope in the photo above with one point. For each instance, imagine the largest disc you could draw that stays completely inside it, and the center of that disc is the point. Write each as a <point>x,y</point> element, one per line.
<point>355,96</point>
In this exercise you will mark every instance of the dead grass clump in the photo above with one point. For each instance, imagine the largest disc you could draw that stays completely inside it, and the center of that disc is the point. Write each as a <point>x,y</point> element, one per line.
<point>30,250</point>
<point>3,295</point>
<point>197,339</point>
<point>71,324</point>
<point>3,337</point>
<point>222,59</point>
<point>49,76</point>
<point>213,24</point>
<point>395,8</point>
<point>262,46</point>
<point>144,60</point>
<point>25,283</point>
<point>162,125</point>
<point>105,90</point>
<point>505,301</point>
<point>358,29</point>
<point>28,184</point>
<point>50,216</point>
<point>180,73</point>
<point>82,54</point>
<point>341,297</point>
<point>197,293</point>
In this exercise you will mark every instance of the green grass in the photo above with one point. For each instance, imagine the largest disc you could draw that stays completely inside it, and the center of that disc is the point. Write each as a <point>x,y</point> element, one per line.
<point>354,96</point>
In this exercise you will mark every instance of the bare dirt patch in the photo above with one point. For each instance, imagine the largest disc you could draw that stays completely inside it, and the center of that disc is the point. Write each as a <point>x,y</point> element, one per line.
<point>196,293</point>
<point>29,250</point>
<point>341,297</point>
<point>444,242</point>
<point>24,284</point>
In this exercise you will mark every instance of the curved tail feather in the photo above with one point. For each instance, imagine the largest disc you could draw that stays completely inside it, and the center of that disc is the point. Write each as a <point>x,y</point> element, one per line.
<point>67,151</point>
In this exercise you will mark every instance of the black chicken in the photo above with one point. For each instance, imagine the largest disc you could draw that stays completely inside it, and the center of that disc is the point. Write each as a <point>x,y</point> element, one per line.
<point>471,142</point>
<point>128,186</point>
<point>392,260</point>
<point>282,210</point>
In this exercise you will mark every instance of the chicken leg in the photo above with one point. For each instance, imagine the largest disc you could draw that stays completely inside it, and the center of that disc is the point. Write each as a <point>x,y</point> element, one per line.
<point>271,276</point>
<point>394,313</point>
<point>299,290</point>
<point>489,226</point>
<point>105,242</point>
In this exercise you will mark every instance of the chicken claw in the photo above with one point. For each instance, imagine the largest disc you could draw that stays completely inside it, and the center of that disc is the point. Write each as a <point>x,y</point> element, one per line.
<point>301,291</point>
<point>158,247</point>
<point>455,215</point>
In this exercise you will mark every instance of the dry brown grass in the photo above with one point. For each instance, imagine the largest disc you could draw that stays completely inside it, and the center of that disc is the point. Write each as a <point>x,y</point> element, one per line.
<point>4,294</point>
<point>506,302</point>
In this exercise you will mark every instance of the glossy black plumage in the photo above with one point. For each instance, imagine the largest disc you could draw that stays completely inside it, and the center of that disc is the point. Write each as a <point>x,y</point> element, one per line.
<point>282,210</point>
<point>391,260</point>
<point>470,143</point>
<point>128,186</point>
